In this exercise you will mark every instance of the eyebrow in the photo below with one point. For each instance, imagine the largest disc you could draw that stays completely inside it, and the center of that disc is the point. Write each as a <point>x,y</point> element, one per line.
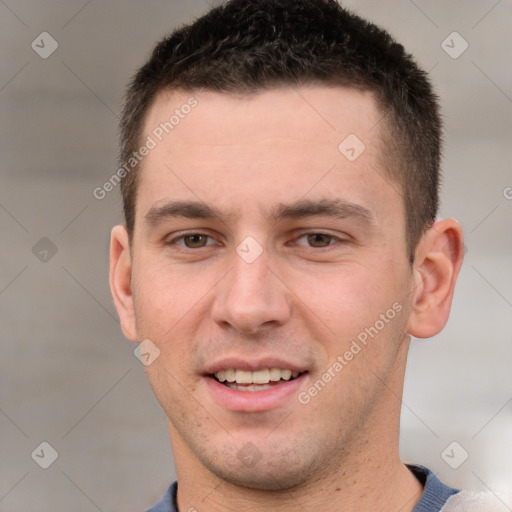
<point>185,209</point>
<point>303,208</point>
<point>335,208</point>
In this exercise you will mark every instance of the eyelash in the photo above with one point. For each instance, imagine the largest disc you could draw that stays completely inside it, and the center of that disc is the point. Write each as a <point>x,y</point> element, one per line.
<point>185,235</point>
<point>174,240</point>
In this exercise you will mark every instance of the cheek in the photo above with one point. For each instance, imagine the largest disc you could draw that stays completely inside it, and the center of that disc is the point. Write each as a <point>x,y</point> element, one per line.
<point>169,302</point>
<point>172,390</point>
<point>350,298</point>
<point>166,296</point>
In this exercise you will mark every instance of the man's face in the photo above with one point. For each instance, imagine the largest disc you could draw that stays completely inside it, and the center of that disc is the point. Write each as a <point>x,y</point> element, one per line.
<point>292,250</point>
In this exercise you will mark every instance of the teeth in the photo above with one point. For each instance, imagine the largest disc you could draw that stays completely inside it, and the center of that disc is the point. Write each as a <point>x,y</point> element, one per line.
<point>230,375</point>
<point>258,377</point>
<point>275,374</point>
<point>243,377</point>
<point>261,377</point>
<point>250,387</point>
<point>286,374</point>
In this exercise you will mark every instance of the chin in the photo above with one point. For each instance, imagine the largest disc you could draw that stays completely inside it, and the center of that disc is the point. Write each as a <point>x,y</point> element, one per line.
<point>263,478</point>
<point>271,469</point>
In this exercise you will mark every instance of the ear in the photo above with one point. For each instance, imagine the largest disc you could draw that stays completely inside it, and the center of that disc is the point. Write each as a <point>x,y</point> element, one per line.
<point>437,263</point>
<point>120,280</point>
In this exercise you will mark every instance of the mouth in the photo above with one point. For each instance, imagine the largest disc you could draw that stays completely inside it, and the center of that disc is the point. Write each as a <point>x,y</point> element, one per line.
<point>242,384</point>
<point>254,381</point>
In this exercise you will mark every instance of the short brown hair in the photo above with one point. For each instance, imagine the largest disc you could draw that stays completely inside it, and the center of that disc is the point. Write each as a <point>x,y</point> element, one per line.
<point>244,46</point>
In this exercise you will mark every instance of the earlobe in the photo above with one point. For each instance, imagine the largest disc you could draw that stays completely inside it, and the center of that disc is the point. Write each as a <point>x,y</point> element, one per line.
<point>438,260</point>
<point>120,280</point>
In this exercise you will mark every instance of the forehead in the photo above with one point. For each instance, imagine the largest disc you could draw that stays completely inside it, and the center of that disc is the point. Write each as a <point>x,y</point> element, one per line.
<point>316,114</point>
<point>270,146</point>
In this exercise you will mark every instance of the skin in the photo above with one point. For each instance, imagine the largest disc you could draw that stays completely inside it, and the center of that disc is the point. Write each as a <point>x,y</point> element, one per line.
<point>304,299</point>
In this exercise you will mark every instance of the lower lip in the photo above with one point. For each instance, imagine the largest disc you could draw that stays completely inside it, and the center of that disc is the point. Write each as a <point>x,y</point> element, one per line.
<point>254,401</point>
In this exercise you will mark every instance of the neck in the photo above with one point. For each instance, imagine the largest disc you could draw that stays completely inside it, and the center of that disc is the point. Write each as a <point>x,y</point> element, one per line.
<point>384,486</point>
<point>369,476</point>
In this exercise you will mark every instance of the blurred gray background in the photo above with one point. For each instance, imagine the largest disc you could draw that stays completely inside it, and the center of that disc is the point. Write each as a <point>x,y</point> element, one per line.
<point>69,378</point>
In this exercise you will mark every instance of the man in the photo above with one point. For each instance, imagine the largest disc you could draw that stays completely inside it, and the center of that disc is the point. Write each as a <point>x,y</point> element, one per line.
<point>280,163</point>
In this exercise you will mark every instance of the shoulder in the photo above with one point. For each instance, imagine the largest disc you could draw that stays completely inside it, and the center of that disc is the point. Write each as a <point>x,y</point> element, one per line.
<point>438,497</point>
<point>168,501</point>
<point>435,493</point>
<point>474,501</point>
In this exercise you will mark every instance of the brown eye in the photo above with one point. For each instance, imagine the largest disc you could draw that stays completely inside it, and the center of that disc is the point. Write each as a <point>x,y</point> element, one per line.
<point>319,240</point>
<point>195,241</point>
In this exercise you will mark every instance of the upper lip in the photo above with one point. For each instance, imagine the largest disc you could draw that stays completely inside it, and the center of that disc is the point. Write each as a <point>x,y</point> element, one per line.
<point>253,365</point>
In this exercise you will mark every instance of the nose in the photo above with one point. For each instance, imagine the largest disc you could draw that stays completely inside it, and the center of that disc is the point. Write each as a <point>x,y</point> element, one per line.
<point>252,297</point>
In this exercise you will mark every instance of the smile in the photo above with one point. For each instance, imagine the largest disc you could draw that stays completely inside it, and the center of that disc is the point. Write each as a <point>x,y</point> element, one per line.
<point>260,380</point>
